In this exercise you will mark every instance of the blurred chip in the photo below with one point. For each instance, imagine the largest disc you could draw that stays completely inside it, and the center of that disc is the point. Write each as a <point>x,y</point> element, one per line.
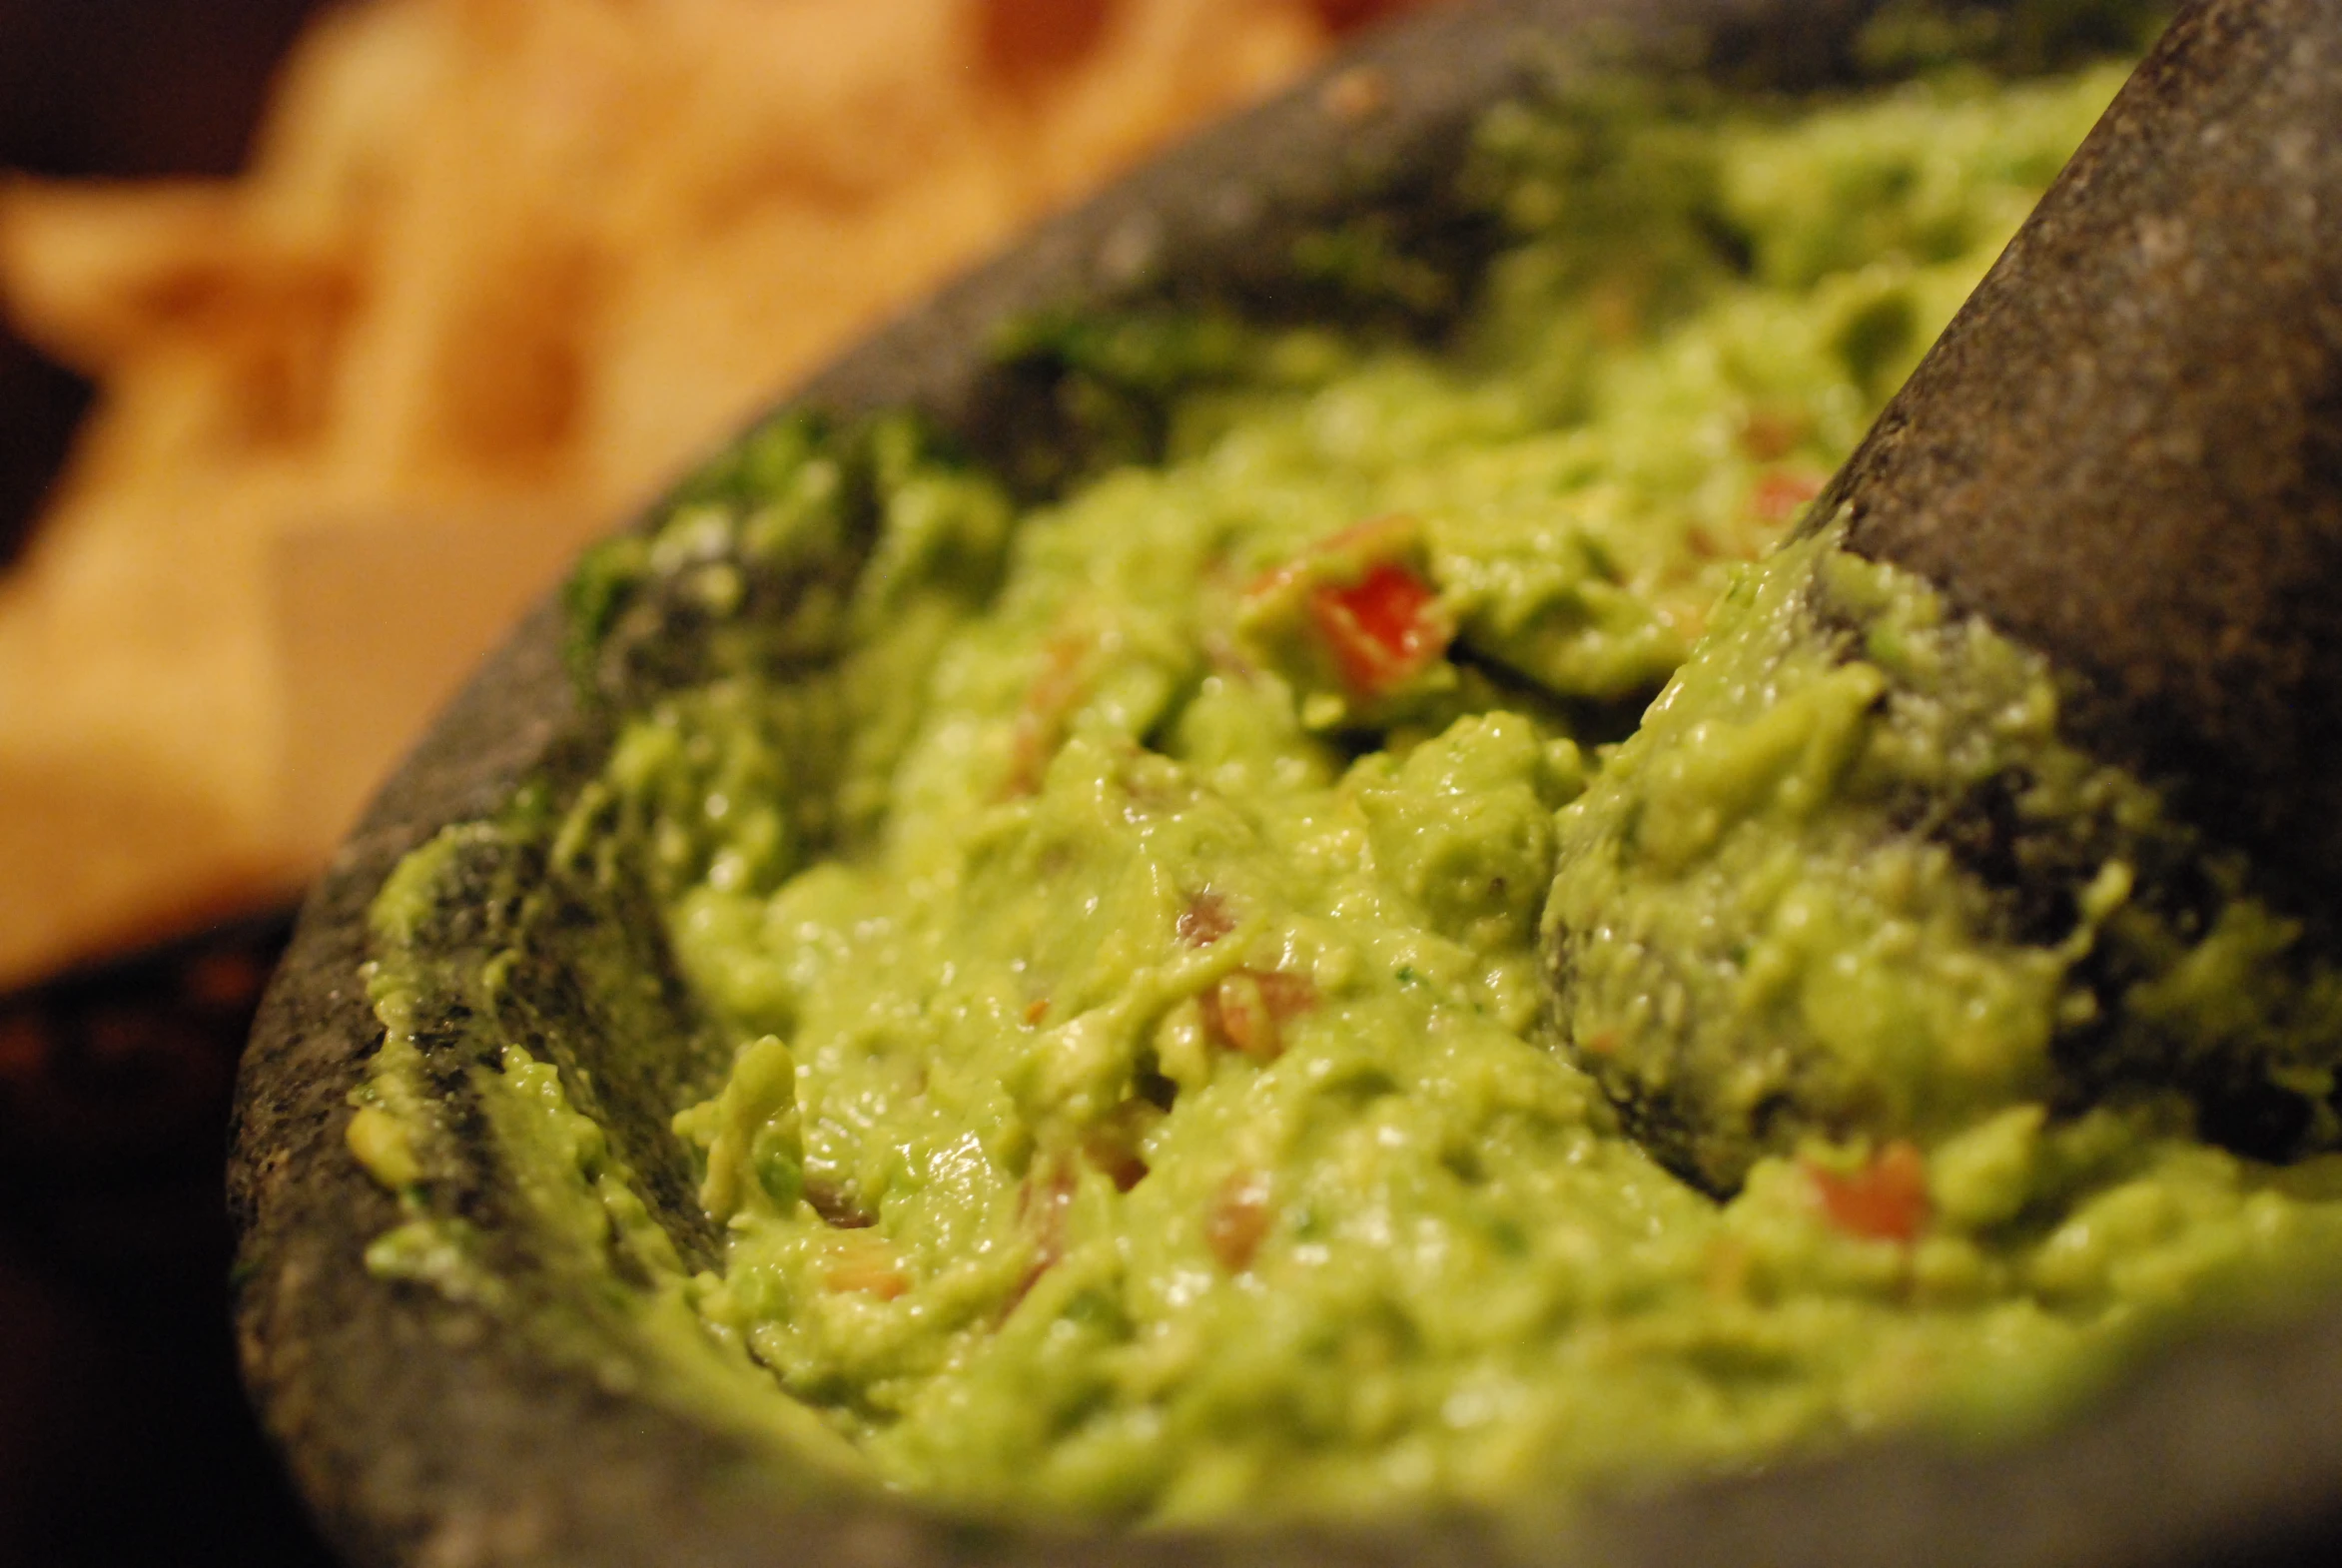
<point>499,267</point>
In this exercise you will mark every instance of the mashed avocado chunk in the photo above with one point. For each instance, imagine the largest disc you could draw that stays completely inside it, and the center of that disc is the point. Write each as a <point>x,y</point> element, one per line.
<point>1135,1080</point>
<point>1848,877</point>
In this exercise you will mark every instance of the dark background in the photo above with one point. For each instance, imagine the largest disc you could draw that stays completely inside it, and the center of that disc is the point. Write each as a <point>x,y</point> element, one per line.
<point>119,88</point>
<point>124,1437</point>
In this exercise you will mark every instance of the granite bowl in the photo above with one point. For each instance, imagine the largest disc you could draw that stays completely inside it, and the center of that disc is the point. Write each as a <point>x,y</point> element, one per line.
<point>425,1430</point>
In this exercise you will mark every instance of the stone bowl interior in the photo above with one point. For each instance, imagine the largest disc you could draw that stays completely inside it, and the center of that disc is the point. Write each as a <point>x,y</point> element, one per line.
<point>424,1428</point>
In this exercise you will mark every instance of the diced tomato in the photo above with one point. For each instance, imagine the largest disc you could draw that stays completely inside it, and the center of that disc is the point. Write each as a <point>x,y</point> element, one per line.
<point>1355,609</point>
<point>1042,1202</point>
<point>1122,1165</point>
<point>1883,1200</point>
<point>1039,725</point>
<point>1249,1008</point>
<point>838,1206</point>
<point>1113,1142</point>
<point>1236,1014</point>
<point>1205,920</point>
<point>1780,493</point>
<point>1713,544</point>
<point>1111,1146</point>
<point>1287,994</point>
<point>867,1265</point>
<point>1768,434</point>
<point>1378,628</point>
<point>1237,1219</point>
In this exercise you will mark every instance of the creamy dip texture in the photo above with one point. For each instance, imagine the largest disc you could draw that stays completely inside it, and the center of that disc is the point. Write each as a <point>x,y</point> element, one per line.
<point>1130,924</point>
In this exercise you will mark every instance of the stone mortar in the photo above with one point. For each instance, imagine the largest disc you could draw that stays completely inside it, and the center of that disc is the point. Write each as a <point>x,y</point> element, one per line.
<point>423,1434</point>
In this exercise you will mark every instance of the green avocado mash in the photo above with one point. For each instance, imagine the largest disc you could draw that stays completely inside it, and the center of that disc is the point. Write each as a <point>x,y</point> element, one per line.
<point>1142,949</point>
<point>1848,877</point>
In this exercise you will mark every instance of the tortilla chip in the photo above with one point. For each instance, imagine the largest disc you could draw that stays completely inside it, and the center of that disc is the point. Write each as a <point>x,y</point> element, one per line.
<point>498,270</point>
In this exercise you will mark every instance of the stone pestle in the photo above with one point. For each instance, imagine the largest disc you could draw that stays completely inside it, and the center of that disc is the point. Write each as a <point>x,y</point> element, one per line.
<point>2125,456</point>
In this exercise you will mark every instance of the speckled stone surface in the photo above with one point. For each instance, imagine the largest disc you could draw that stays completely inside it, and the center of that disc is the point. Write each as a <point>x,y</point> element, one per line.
<point>2126,450</point>
<point>424,1433</point>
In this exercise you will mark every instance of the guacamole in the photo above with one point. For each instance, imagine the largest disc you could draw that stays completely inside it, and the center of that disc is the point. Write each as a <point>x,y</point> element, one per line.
<point>1847,876</point>
<point>1203,992</point>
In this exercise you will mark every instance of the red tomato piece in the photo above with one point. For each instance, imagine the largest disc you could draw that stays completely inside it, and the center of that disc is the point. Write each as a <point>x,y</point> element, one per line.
<point>1378,628</point>
<point>1041,1202</point>
<point>1249,1008</point>
<point>1039,726</point>
<point>1780,493</point>
<point>1883,1200</point>
<point>866,1266</point>
<point>1205,920</point>
<point>1236,1220</point>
